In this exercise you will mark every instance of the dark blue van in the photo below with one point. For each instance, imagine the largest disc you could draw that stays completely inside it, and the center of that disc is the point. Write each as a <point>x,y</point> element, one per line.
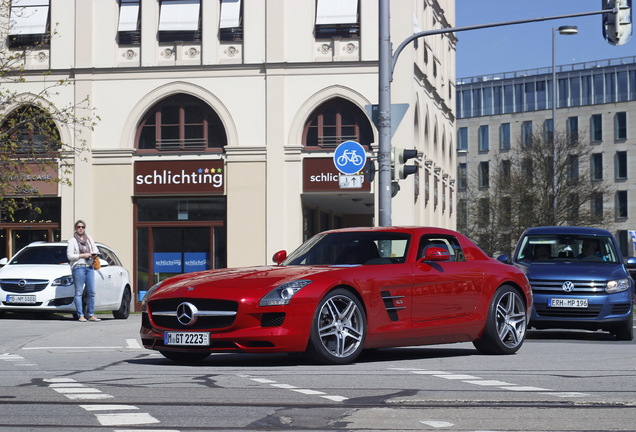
<point>579,279</point>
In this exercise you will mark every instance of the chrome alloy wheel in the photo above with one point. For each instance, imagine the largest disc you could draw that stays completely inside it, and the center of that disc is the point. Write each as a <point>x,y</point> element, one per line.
<point>511,319</point>
<point>341,326</point>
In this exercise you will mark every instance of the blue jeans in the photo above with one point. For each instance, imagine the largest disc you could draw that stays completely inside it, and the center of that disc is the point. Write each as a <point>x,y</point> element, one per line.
<point>84,276</point>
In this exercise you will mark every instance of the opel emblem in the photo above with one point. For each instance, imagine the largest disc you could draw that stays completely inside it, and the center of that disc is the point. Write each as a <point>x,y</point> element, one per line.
<point>22,283</point>
<point>567,286</point>
<point>187,314</point>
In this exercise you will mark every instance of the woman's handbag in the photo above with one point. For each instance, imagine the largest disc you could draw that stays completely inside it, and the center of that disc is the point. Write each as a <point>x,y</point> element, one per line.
<point>96,263</point>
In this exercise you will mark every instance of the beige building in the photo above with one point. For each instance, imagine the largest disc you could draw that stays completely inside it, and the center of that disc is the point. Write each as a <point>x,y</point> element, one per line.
<point>219,120</point>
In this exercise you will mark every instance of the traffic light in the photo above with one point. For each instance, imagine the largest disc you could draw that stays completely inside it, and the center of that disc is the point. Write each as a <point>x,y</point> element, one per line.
<point>398,158</point>
<point>617,25</point>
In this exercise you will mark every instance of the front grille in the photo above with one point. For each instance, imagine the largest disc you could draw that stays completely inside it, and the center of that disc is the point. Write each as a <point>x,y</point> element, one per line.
<point>23,285</point>
<point>207,321</point>
<point>273,319</point>
<point>621,309</point>
<point>543,310</point>
<point>587,287</point>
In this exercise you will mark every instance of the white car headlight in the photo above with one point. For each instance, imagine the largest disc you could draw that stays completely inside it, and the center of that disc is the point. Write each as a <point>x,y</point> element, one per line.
<point>63,281</point>
<point>282,294</point>
<point>617,285</point>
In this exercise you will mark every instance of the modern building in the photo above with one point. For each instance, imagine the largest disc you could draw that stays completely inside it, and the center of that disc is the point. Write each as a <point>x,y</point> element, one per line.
<point>218,122</point>
<point>595,100</point>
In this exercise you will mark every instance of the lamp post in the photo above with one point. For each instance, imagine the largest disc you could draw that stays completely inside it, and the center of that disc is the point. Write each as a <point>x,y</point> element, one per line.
<point>564,30</point>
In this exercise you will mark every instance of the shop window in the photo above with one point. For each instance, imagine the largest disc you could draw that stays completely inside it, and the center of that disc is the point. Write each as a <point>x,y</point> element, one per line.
<point>231,25</point>
<point>128,29</point>
<point>29,23</point>
<point>181,123</point>
<point>334,122</point>
<point>337,18</point>
<point>29,131</point>
<point>180,21</point>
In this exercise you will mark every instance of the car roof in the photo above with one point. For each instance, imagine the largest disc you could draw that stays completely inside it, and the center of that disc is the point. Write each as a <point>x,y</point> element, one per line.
<point>406,229</point>
<point>58,243</point>
<point>567,230</point>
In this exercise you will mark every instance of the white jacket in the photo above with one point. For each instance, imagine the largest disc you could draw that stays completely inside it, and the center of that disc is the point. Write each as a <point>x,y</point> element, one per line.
<point>73,252</point>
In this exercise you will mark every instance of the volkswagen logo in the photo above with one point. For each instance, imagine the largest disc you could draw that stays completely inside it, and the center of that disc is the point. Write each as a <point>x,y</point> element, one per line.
<point>22,283</point>
<point>567,286</point>
<point>187,314</point>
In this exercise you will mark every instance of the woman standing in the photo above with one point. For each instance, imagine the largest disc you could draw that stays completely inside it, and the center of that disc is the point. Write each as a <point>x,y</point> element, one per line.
<point>81,251</point>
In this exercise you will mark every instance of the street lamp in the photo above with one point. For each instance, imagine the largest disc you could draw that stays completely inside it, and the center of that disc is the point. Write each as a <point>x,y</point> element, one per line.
<point>564,30</point>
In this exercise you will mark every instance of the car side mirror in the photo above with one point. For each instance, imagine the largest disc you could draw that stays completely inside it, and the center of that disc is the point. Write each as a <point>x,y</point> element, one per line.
<point>631,262</point>
<point>436,254</point>
<point>279,257</point>
<point>505,258</point>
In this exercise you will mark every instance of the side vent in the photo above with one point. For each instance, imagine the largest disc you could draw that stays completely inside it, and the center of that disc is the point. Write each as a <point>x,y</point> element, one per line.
<point>390,306</point>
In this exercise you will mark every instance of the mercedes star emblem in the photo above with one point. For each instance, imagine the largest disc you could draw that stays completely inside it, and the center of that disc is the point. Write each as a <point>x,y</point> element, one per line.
<point>187,314</point>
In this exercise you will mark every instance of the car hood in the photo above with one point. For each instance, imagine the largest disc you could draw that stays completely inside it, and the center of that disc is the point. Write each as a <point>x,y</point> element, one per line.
<point>35,271</point>
<point>575,271</point>
<point>261,278</point>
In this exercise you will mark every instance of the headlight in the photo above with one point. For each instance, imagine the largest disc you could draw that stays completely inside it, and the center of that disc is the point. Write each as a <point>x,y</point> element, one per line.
<point>617,286</point>
<point>63,281</point>
<point>281,295</point>
<point>144,299</point>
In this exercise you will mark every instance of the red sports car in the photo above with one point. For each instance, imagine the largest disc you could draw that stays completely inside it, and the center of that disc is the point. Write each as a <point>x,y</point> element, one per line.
<point>343,291</point>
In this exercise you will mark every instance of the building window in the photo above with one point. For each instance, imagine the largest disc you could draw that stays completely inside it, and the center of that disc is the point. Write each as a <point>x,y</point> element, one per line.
<point>596,127</point>
<point>462,139</point>
<point>620,126</point>
<point>620,164</point>
<point>526,133</point>
<point>573,168</point>
<point>129,30</point>
<point>462,176</point>
<point>231,25</point>
<point>483,143</point>
<point>548,130</point>
<point>506,171</point>
<point>621,204</point>
<point>337,18</point>
<point>572,129</point>
<point>334,122</point>
<point>181,123</point>
<point>29,131</point>
<point>596,208</point>
<point>597,166</point>
<point>484,174</point>
<point>180,21</point>
<point>29,23</point>
<point>483,212</point>
<point>504,136</point>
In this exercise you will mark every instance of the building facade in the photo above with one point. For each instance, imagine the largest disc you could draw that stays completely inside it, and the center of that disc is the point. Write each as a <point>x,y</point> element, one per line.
<point>596,102</point>
<point>218,122</point>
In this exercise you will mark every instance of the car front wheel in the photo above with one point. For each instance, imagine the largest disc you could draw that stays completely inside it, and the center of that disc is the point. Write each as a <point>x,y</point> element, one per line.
<point>506,323</point>
<point>338,328</point>
<point>624,331</point>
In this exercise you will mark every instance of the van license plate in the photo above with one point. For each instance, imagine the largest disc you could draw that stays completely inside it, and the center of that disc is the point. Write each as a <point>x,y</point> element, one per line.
<point>567,303</point>
<point>187,338</point>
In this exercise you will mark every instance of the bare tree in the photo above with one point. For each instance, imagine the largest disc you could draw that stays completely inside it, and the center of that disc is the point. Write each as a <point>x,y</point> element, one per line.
<point>519,193</point>
<point>30,141</point>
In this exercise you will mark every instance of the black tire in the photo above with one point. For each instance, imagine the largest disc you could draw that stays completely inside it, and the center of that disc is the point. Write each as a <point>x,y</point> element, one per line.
<point>506,323</point>
<point>185,357</point>
<point>124,308</point>
<point>624,331</point>
<point>338,329</point>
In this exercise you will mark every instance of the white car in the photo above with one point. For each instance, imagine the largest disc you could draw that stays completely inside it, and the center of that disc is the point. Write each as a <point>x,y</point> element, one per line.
<point>38,278</point>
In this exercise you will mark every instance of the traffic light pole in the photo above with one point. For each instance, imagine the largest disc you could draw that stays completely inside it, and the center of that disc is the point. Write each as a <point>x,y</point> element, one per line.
<point>387,62</point>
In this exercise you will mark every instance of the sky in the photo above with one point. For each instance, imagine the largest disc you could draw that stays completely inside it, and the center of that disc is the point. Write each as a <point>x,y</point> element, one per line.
<point>529,46</point>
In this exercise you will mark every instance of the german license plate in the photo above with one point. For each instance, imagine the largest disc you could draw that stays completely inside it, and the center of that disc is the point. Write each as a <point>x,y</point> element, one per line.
<point>21,299</point>
<point>186,338</point>
<point>567,303</point>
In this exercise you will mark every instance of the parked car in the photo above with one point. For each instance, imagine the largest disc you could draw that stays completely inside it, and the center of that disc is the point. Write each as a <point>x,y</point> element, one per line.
<point>579,279</point>
<point>341,292</point>
<point>38,278</point>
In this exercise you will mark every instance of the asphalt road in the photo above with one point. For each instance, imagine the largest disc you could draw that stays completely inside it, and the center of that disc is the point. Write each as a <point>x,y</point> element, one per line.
<point>57,374</point>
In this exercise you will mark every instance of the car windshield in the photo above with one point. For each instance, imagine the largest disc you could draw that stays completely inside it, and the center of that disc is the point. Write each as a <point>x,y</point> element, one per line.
<point>550,248</point>
<point>352,248</point>
<point>41,255</point>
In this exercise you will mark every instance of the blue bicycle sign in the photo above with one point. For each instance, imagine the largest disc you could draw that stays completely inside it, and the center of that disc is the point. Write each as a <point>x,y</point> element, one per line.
<point>349,157</point>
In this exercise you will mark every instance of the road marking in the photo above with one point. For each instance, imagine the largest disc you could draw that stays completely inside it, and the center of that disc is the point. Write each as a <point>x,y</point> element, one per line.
<point>16,359</point>
<point>125,419</point>
<point>436,423</point>
<point>310,392</point>
<point>108,407</point>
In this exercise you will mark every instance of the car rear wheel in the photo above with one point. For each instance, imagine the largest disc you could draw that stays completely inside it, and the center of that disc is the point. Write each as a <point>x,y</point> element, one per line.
<point>185,357</point>
<point>624,331</point>
<point>338,329</point>
<point>506,323</point>
<point>124,308</point>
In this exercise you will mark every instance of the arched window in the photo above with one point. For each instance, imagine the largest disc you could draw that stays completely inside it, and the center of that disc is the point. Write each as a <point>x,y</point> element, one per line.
<point>181,123</point>
<point>29,131</point>
<point>334,122</point>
